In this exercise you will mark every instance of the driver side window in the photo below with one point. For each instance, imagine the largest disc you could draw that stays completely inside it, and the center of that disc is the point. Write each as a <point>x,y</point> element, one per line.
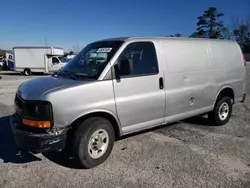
<point>55,60</point>
<point>138,59</point>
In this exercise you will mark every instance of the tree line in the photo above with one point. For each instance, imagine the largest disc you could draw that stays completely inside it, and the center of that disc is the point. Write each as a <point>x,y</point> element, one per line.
<point>210,25</point>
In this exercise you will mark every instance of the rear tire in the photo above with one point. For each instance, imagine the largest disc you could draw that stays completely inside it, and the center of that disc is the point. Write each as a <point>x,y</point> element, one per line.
<point>222,112</point>
<point>93,141</point>
<point>27,72</point>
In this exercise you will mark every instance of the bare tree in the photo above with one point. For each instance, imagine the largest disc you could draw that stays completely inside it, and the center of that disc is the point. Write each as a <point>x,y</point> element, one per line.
<point>76,48</point>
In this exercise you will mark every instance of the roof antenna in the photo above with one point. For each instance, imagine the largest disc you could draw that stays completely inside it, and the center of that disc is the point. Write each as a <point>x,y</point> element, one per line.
<point>46,44</point>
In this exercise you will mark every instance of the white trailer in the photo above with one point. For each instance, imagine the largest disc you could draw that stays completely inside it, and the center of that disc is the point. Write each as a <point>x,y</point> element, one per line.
<point>38,59</point>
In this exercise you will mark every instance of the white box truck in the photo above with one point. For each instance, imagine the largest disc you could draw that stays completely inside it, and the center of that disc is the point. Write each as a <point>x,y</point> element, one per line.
<point>38,59</point>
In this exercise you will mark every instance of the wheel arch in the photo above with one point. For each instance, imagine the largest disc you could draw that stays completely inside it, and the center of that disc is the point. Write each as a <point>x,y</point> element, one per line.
<point>225,91</point>
<point>99,113</point>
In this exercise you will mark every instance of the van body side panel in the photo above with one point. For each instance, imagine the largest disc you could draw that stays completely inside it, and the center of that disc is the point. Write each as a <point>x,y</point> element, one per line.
<point>227,67</point>
<point>188,82</point>
<point>81,99</point>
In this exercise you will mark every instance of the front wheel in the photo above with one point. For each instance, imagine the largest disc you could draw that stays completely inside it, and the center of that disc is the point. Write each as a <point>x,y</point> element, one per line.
<point>93,141</point>
<point>222,112</point>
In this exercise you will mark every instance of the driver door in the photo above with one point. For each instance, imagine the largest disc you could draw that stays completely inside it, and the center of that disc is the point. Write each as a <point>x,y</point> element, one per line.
<point>139,91</point>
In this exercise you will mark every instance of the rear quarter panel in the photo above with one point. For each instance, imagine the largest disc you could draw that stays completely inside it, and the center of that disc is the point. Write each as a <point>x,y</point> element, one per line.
<point>227,66</point>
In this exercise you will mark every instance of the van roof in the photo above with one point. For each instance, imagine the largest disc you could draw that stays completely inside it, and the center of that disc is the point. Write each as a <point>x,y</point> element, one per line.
<point>154,38</point>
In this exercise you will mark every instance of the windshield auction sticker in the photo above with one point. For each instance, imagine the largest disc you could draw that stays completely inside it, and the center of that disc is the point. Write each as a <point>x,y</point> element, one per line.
<point>106,50</point>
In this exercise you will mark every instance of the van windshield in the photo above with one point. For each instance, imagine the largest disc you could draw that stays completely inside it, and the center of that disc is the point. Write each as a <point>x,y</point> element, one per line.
<point>91,60</point>
<point>64,59</point>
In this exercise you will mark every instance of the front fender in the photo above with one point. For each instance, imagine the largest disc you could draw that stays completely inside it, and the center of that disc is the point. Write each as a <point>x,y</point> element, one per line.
<point>89,112</point>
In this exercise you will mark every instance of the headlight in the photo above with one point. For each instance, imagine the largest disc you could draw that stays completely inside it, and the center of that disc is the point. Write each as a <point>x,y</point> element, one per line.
<point>34,113</point>
<point>39,110</point>
<point>37,114</point>
<point>42,110</point>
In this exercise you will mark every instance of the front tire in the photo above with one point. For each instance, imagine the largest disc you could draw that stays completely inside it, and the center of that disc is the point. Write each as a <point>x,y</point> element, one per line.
<point>222,112</point>
<point>93,142</point>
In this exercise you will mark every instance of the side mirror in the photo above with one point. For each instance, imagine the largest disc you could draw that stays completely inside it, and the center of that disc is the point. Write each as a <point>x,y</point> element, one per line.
<point>123,70</point>
<point>117,72</point>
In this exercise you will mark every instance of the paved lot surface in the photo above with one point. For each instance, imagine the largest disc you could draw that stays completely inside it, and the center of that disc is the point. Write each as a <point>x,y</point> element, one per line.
<point>185,154</point>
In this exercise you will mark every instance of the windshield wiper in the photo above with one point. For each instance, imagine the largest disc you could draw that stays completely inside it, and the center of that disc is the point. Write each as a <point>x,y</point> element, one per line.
<point>85,76</point>
<point>68,73</point>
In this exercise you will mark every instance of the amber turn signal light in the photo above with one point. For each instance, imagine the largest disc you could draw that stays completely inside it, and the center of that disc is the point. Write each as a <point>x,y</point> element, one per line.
<point>38,124</point>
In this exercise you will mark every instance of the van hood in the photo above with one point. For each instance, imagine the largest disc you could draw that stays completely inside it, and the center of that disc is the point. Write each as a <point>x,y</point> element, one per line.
<point>35,88</point>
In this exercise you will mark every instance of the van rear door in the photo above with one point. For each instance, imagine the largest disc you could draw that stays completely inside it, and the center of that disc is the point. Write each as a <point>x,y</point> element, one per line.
<point>139,92</point>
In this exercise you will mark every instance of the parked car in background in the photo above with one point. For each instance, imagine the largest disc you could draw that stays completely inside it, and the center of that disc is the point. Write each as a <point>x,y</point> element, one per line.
<point>7,61</point>
<point>4,64</point>
<point>1,62</point>
<point>71,56</point>
<point>115,87</point>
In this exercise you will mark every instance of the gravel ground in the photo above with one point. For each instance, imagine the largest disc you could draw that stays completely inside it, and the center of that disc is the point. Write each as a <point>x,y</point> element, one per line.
<point>185,154</point>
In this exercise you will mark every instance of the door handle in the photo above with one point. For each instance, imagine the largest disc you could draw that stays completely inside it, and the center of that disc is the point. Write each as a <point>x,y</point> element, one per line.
<point>161,83</point>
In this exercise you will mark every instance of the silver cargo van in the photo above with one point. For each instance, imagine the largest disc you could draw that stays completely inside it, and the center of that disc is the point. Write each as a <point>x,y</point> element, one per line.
<point>119,86</point>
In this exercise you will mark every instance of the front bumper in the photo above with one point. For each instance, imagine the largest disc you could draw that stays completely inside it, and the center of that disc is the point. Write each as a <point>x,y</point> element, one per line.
<point>37,142</point>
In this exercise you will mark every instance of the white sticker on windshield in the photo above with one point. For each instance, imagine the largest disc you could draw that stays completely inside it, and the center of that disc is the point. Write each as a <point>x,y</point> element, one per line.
<point>104,50</point>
